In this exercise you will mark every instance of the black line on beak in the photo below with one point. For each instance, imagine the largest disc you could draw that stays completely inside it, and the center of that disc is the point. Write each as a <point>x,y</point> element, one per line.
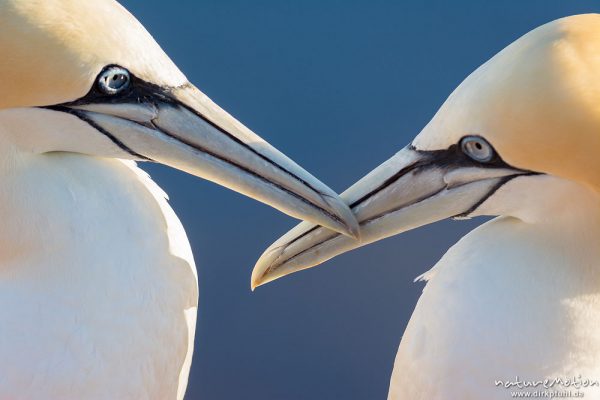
<point>141,91</point>
<point>388,182</point>
<point>374,218</point>
<point>451,157</point>
<point>248,171</point>
<point>113,138</point>
<point>489,194</point>
<point>444,159</point>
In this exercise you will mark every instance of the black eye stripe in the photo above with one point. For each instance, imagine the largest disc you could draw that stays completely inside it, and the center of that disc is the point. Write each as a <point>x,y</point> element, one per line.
<point>450,158</point>
<point>137,91</point>
<point>141,91</point>
<point>455,156</point>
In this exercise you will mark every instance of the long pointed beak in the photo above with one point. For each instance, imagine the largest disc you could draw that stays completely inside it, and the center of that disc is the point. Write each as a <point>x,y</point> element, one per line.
<point>183,128</point>
<point>412,189</point>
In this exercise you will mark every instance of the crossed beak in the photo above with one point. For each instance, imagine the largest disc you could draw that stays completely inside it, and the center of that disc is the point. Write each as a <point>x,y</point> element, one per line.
<point>412,189</point>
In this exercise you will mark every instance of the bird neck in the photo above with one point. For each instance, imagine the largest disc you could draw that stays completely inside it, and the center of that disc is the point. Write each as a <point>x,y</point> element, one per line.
<point>518,296</point>
<point>69,208</point>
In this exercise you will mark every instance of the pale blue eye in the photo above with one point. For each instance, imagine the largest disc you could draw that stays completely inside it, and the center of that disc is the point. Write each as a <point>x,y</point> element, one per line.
<point>477,148</point>
<point>114,80</point>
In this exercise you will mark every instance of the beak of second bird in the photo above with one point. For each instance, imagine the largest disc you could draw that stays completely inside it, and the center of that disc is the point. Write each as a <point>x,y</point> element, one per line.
<point>411,189</point>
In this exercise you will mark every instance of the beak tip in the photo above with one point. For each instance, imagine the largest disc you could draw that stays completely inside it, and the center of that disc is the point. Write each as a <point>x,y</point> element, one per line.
<point>257,281</point>
<point>258,275</point>
<point>263,272</point>
<point>345,226</point>
<point>348,222</point>
<point>354,231</point>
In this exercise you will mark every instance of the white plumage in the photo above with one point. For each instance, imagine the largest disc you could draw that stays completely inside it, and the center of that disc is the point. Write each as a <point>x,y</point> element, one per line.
<point>98,289</point>
<point>515,297</point>
<point>518,299</point>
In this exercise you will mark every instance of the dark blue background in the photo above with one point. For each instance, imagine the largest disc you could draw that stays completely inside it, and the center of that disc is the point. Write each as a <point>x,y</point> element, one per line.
<point>339,86</point>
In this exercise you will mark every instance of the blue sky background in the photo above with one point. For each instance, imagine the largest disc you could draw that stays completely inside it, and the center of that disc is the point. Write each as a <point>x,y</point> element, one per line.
<point>339,86</point>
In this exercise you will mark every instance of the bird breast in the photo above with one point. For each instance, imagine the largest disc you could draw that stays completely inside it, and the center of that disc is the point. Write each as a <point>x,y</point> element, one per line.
<point>98,288</point>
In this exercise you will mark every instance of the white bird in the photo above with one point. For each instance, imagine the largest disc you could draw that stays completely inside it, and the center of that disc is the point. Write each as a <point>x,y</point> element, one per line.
<point>517,299</point>
<point>98,288</point>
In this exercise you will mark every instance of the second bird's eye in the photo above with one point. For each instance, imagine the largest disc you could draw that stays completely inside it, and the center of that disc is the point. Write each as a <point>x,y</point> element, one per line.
<point>477,148</point>
<point>113,80</point>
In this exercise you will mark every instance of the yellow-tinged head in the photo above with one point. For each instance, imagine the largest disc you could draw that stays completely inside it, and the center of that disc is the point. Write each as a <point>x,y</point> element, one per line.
<point>84,76</point>
<point>526,121</point>
<point>52,50</point>
<point>537,102</point>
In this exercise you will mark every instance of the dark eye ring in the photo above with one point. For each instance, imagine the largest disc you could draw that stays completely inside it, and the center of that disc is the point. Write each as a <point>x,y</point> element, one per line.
<point>114,80</point>
<point>477,148</point>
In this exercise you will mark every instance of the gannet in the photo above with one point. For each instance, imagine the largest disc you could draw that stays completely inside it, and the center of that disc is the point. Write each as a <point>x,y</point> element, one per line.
<point>518,298</point>
<point>98,288</point>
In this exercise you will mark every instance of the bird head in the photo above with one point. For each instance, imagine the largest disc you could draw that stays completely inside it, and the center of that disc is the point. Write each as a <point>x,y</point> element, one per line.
<point>528,116</point>
<point>86,77</point>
